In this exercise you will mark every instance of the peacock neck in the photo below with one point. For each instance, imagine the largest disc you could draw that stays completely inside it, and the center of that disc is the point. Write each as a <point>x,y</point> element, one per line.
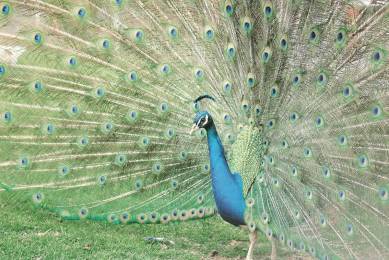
<point>216,153</point>
<point>214,143</point>
<point>226,187</point>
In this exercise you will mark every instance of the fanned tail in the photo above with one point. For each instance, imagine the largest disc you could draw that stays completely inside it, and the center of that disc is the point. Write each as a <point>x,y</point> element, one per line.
<point>324,187</point>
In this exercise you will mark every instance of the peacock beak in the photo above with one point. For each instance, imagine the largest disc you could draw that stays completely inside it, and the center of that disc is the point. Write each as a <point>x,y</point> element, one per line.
<point>194,128</point>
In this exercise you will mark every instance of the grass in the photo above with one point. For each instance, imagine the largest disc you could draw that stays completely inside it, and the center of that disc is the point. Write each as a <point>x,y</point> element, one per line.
<point>27,234</point>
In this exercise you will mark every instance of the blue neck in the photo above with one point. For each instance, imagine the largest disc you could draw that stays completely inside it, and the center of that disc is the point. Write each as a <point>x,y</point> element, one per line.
<point>227,187</point>
<point>216,153</point>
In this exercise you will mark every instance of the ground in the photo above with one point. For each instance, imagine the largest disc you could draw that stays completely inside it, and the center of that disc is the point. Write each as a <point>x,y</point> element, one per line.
<point>26,234</point>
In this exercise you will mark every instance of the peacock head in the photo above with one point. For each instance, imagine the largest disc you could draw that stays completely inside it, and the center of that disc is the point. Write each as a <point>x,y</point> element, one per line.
<point>202,119</point>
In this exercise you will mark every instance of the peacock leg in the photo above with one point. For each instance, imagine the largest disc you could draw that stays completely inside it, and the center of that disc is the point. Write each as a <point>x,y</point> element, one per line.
<point>253,239</point>
<point>273,255</point>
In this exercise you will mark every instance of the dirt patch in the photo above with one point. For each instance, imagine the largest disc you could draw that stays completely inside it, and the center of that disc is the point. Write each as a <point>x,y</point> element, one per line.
<point>234,243</point>
<point>47,233</point>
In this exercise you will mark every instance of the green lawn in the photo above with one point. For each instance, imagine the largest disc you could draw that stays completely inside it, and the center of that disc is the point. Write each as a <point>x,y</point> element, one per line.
<point>27,234</point>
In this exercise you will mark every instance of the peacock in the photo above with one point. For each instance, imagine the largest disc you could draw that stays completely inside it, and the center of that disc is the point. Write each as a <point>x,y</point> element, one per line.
<point>272,114</point>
